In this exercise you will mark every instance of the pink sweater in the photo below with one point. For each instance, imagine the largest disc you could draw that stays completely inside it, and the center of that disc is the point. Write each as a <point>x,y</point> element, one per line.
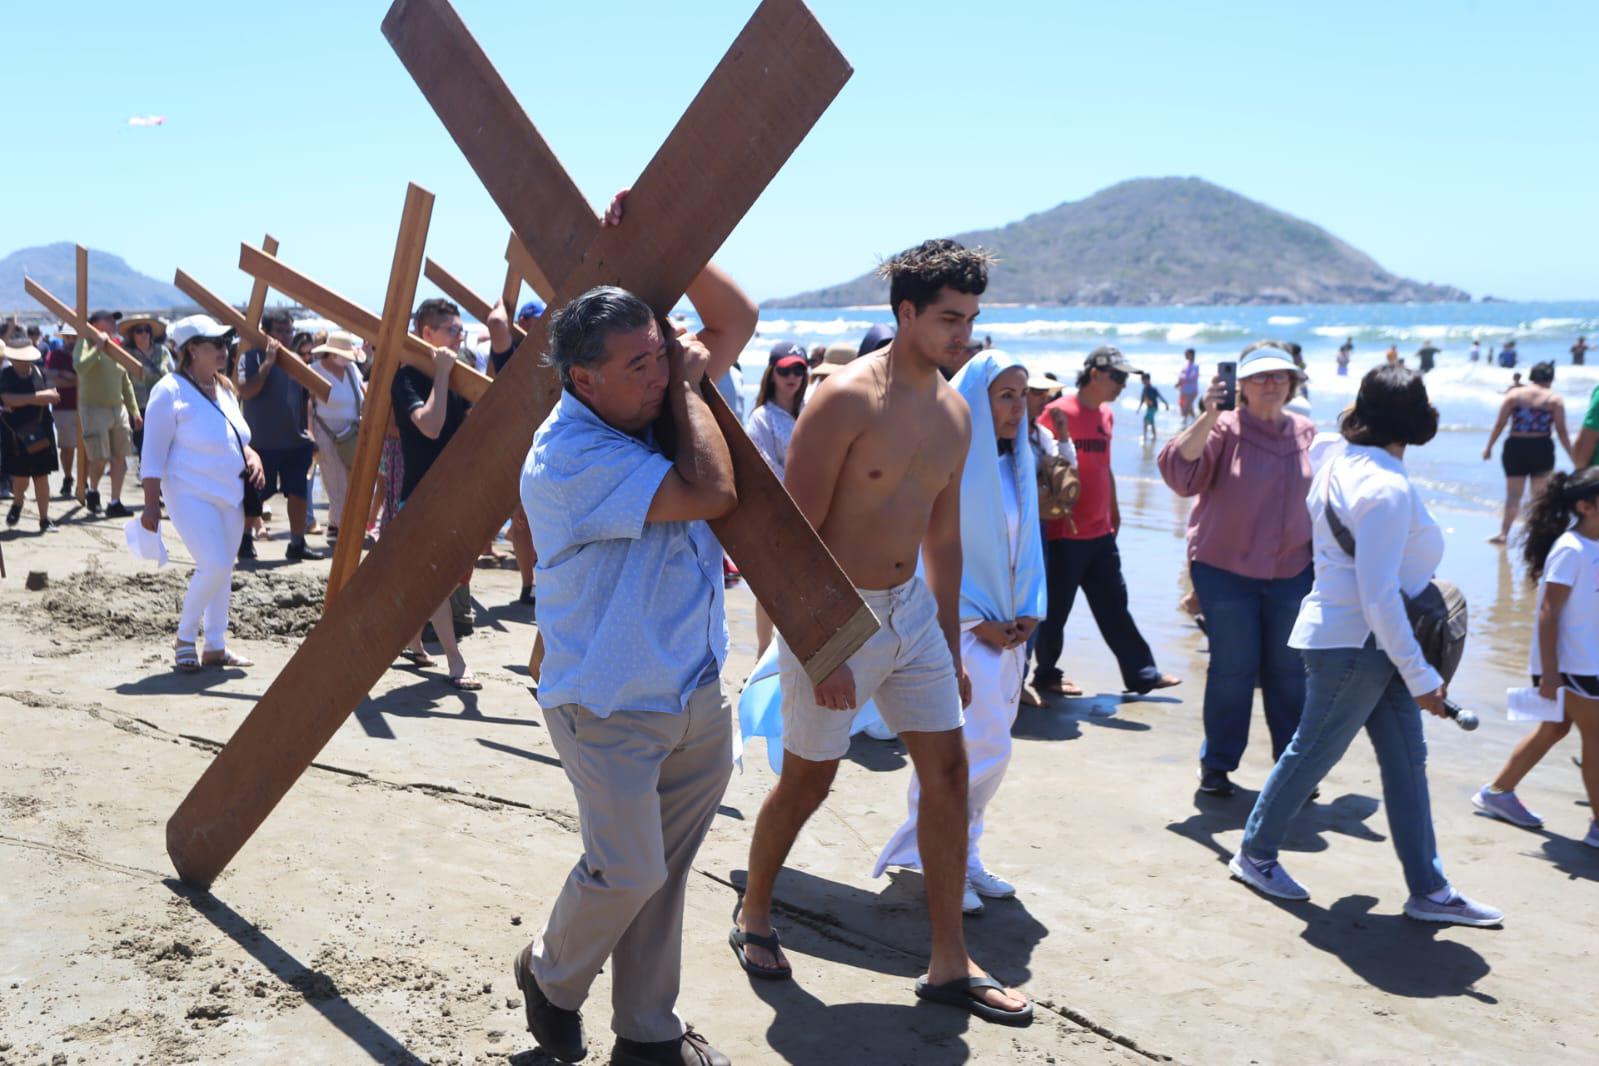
<point>1251,481</point>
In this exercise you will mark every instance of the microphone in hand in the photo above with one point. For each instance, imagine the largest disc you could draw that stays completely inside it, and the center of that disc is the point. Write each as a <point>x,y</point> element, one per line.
<point>1462,717</point>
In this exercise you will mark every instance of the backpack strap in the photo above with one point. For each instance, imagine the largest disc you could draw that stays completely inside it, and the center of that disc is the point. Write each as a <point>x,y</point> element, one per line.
<point>1340,532</point>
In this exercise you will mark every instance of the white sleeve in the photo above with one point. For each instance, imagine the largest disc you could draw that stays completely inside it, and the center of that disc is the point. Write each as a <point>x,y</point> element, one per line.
<point>1380,522</point>
<point>1067,450</point>
<point>1564,564</point>
<point>759,427</point>
<point>160,427</point>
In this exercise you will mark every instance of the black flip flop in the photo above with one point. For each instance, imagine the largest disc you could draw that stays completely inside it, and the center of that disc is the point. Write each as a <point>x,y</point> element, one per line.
<point>738,939</point>
<point>961,994</point>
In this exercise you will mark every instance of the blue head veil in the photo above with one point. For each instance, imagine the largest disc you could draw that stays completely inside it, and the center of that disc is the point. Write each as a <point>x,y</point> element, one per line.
<point>989,589</point>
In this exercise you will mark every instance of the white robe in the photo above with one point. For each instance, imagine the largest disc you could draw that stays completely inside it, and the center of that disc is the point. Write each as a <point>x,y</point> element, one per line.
<point>996,678</point>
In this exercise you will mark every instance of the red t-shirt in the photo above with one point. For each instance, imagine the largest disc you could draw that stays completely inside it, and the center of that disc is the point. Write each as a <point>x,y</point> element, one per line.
<point>62,360</point>
<point>1090,429</point>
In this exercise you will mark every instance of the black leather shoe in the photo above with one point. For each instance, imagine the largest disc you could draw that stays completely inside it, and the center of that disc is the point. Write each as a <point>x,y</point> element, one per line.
<point>558,1032</point>
<point>690,1049</point>
<point>246,548</point>
<point>297,550</point>
<point>91,500</point>
<point>115,509</point>
<point>1215,782</point>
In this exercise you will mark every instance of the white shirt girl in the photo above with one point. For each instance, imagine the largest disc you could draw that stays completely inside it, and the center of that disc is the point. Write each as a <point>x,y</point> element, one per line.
<point>193,445</point>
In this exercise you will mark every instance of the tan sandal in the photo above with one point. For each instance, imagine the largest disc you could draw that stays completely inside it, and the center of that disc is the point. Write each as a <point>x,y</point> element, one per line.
<point>225,658</point>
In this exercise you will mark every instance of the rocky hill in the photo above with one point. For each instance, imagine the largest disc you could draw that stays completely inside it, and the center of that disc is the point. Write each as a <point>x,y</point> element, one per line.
<point>1159,241</point>
<point>112,282</point>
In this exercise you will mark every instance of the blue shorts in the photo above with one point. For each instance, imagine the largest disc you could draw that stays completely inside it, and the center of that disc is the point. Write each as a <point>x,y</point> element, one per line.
<point>288,470</point>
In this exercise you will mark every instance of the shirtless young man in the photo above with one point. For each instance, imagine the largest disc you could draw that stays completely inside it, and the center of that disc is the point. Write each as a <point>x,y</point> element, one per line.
<point>875,465</point>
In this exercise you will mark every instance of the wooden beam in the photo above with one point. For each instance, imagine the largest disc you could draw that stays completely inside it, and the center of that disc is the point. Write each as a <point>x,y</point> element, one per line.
<point>397,303</point>
<point>464,381</point>
<point>469,301</point>
<point>488,124</point>
<point>256,307</point>
<point>225,313</point>
<point>510,289</point>
<point>517,258</point>
<point>778,77</point>
<point>66,314</point>
<point>82,305</point>
<point>772,85</point>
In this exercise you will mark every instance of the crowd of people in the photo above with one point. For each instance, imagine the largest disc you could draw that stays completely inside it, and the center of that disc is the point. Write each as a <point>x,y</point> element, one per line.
<point>966,497</point>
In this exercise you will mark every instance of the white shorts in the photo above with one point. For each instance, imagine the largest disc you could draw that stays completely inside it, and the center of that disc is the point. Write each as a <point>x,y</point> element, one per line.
<point>906,668</point>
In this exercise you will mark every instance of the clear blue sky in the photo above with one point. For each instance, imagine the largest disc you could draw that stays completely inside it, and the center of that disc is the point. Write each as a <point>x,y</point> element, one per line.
<point>1453,141</point>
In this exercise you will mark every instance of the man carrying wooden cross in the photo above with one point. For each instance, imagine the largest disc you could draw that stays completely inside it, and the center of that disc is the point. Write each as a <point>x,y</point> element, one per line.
<point>108,413</point>
<point>632,617</point>
<point>875,465</point>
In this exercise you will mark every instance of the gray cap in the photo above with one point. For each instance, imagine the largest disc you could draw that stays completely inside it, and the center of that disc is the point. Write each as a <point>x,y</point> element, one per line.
<point>1109,357</point>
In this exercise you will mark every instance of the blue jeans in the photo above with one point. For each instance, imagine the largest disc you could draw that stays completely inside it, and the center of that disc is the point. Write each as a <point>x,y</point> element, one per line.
<point>1248,621</point>
<point>1348,688</point>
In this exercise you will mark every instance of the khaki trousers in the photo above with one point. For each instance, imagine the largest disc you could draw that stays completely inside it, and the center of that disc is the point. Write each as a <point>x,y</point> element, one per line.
<point>647,787</point>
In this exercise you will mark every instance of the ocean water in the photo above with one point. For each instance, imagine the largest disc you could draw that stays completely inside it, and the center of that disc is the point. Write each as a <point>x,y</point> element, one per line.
<point>1153,338</point>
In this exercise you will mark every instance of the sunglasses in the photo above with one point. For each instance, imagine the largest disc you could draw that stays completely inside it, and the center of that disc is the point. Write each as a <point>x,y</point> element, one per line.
<point>454,331</point>
<point>1271,377</point>
<point>141,329</point>
<point>789,371</point>
<point>1118,376</point>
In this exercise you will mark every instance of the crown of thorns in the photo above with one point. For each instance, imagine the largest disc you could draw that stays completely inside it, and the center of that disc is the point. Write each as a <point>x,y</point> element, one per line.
<point>952,259</point>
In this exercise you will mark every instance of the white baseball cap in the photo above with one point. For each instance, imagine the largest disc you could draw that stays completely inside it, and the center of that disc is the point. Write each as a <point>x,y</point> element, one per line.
<point>197,327</point>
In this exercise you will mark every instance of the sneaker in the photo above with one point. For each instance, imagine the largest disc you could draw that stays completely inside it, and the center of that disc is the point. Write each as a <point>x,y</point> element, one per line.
<point>971,903</point>
<point>1457,910</point>
<point>1215,782</point>
<point>990,886</point>
<point>298,551</point>
<point>91,500</point>
<point>47,526</point>
<point>528,598</point>
<point>557,1031</point>
<point>1266,877</point>
<point>66,487</point>
<point>879,730</point>
<point>1506,807</point>
<point>246,549</point>
<point>14,515</point>
<point>1592,839</point>
<point>115,509</point>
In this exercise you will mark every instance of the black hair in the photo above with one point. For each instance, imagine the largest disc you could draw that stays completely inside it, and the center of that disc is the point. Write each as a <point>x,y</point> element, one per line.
<point>274,318</point>
<point>1542,373</point>
<point>917,274</point>
<point>1553,513</point>
<point>1391,408</point>
<point>578,331</point>
<point>430,312</point>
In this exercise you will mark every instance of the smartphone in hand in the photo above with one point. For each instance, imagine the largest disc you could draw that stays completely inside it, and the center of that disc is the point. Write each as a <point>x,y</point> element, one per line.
<point>1228,372</point>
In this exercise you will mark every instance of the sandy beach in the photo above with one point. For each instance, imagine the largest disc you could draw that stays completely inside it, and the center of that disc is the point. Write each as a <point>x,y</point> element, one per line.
<point>375,915</point>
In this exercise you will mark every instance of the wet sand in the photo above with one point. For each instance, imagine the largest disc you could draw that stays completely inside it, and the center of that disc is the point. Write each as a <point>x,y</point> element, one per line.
<point>375,915</point>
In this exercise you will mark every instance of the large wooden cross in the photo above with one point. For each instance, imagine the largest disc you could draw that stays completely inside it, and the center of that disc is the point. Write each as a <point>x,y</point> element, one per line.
<point>769,89</point>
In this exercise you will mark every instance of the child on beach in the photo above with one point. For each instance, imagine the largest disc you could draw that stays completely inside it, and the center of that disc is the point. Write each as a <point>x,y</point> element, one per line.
<point>1562,553</point>
<point>1148,402</point>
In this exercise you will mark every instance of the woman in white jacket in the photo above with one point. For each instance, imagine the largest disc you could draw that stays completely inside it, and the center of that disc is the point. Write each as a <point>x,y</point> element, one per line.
<point>334,424</point>
<point>196,456</point>
<point>1364,668</point>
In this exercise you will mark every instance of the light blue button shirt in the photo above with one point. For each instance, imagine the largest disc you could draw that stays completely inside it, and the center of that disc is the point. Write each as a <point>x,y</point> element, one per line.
<point>631,612</point>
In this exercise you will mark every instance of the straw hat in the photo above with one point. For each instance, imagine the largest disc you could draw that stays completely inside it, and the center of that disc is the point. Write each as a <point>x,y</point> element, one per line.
<point>18,349</point>
<point>158,328</point>
<point>839,354</point>
<point>1039,383</point>
<point>344,344</point>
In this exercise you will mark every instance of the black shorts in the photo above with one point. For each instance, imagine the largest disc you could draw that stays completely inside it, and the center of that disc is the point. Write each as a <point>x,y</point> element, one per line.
<point>287,470</point>
<point>1581,684</point>
<point>1528,456</point>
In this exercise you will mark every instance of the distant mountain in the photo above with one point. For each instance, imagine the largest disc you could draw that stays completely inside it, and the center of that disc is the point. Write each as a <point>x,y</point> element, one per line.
<point>112,282</point>
<point>1165,241</point>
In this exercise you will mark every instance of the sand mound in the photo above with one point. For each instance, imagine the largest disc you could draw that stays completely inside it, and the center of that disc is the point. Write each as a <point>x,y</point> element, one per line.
<point>145,605</point>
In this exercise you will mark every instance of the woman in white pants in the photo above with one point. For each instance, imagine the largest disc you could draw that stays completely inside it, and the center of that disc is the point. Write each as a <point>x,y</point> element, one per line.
<point>196,456</point>
<point>1002,599</point>
<point>334,424</point>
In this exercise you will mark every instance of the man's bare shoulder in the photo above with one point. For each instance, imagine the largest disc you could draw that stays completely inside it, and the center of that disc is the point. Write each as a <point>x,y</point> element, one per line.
<point>954,404</point>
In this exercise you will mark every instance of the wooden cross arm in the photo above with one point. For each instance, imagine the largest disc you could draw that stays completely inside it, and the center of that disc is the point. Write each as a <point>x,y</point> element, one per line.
<point>461,293</point>
<point>123,357</point>
<point>225,313</point>
<point>521,261</point>
<point>464,381</point>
